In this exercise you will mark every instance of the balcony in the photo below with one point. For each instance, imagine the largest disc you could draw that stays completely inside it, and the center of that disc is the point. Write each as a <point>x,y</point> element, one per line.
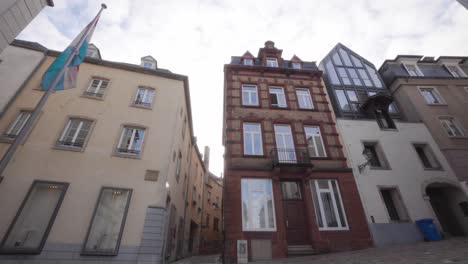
<point>290,158</point>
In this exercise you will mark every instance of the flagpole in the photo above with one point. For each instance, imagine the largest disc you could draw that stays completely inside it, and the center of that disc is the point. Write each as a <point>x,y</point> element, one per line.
<point>37,110</point>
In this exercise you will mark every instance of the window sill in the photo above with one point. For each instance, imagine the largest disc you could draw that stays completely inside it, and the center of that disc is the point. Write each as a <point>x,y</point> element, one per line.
<point>333,229</point>
<point>7,251</point>
<point>280,108</point>
<point>254,156</point>
<point>436,104</point>
<point>104,254</point>
<point>320,158</point>
<point>379,168</point>
<point>307,109</point>
<point>389,129</point>
<point>93,97</point>
<point>7,140</point>
<point>142,106</point>
<point>251,106</point>
<point>433,169</point>
<point>69,148</point>
<point>125,155</point>
<point>458,137</point>
<point>260,230</point>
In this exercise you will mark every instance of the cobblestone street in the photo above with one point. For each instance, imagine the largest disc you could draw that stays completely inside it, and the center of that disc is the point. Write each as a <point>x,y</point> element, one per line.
<point>447,251</point>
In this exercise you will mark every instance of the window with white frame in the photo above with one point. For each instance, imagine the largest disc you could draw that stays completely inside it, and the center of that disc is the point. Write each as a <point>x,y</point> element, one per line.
<point>144,97</point>
<point>249,95</point>
<point>16,127</point>
<point>427,157</point>
<point>431,95</point>
<point>75,133</point>
<point>131,140</point>
<point>451,126</point>
<point>297,65</point>
<point>412,69</point>
<point>328,205</point>
<point>97,87</point>
<point>258,209</point>
<point>106,228</point>
<point>271,62</point>
<point>315,142</point>
<point>253,139</point>
<point>304,99</point>
<point>455,71</point>
<point>277,97</point>
<point>29,229</point>
<point>248,62</point>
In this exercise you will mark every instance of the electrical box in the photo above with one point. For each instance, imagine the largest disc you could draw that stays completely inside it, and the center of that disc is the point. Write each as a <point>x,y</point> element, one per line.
<point>242,251</point>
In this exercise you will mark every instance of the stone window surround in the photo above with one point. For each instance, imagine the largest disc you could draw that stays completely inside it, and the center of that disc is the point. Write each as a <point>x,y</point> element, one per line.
<point>86,87</point>
<point>116,153</point>
<point>64,125</point>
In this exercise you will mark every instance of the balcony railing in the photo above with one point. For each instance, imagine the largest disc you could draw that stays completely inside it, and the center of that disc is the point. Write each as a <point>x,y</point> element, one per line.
<point>290,157</point>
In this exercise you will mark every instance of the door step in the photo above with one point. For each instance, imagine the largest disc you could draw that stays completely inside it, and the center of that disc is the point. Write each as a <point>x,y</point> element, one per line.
<point>300,250</point>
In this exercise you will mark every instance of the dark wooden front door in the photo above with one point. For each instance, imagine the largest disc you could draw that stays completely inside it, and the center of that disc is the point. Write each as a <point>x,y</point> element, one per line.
<point>294,213</point>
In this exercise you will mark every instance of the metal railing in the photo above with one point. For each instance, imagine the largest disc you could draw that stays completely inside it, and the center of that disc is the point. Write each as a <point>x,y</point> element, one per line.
<point>282,156</point>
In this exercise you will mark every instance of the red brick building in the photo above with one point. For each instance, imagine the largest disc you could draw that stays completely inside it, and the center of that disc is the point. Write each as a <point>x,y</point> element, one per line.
<point>288,188</point>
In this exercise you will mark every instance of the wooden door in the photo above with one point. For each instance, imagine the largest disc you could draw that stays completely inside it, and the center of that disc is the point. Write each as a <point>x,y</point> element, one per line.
<point>294,213</point>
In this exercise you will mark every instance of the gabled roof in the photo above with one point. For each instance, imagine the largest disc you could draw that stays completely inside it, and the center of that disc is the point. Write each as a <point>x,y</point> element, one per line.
<point>148,57</point>
<point>247,54</point>
<point>340,45</point>
<point>91,45</point>
<point>295,59</point>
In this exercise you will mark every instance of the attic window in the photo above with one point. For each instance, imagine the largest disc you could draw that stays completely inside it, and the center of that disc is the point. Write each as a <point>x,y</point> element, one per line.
<point>248,62</point>
<point>296,65</point>
<point>271,62</point>
<point>455,71</point>
<point>148,65</point>
<point>90,53</point>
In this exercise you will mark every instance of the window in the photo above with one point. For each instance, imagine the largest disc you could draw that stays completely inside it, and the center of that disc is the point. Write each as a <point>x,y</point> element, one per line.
<point>314,142</point>
<point>304,99</point>
<point>291,190</point>
<point>336,59</point>
<point>375,78</point>
<point>248,62</point>
<point>16,127</point>
<point>131,140</point>
<point>356,61</point>
<point>271,62</point>
<point>297,65</point>
<point>332,73</point>
<point>377,160</point>
<point>75,133</point>
<point>455,71</point>
<point>215,224</point>
<point>209,196</point>
<point>345,57</point>
<point>258,210</point>
<point>344,105</point>
<point>284,144</point>
<point>90,53</point>
<point>394,204</point>
<point>355,77</point>
<point>97,88</point>
<point>253,139</point>
<point>178,166</point>
<point>384,120</point>
<point>194,195</point>
<point>365,77</point>
<point>431,95</point>
<point>348,100</point>
<point>426,156</point>
<point>328,205</point>
<point>30,227</point>
<point>207,221</point>
<point>184,127</point>
<point>277,98</point>
<point>144,97</point>
<point>452,127</point>
<point>147,65</point>
<point>217,202</point>
<point>344,76</point>
<point>107,224</point>
<point>412,69</point>
<point>249,95</point>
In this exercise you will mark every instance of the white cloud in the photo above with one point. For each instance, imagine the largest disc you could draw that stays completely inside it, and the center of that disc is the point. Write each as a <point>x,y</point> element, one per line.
<point>197,38</point>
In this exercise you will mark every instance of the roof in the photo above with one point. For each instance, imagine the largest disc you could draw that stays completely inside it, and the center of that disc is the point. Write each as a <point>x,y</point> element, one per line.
<point>148,57</point>
<point>421,59</point>
<point>123,66</point>
<point>306,65</point>
<point>340,45</point>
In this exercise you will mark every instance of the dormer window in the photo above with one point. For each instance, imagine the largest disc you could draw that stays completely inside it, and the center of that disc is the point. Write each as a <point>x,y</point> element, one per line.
<point>271,62</point>
<point>148,65</point>
<point>148,62</point>
<point>90,53</point>
<point>455,71</point>
<point>248,62</point>
<point>412,69</point>
<point>296,65</point>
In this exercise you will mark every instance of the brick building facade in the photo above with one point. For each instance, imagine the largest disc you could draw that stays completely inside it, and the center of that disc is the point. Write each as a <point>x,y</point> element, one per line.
<point>288,188</point>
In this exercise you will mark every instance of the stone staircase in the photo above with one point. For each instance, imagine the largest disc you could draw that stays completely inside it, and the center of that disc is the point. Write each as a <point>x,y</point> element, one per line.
<point>300,250</point>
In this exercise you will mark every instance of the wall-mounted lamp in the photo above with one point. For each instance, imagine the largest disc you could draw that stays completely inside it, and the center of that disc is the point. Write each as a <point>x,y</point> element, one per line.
<point>367,153</point>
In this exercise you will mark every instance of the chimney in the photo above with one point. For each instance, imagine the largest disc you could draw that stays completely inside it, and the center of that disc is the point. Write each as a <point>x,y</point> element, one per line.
<point>206,158</point>
<point>269,44</point>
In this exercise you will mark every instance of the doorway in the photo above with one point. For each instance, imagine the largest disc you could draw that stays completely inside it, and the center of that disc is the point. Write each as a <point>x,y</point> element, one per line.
<point>294,213</point>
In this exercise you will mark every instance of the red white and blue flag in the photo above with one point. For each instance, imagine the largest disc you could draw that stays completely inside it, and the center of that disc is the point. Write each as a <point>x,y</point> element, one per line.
<point>68,79</point>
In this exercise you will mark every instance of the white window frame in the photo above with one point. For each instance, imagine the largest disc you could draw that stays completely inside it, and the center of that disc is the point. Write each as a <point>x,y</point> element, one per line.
<point>296,65</point>
<point>418,71</point>
<point>147,64</point>
<point>315,143</point>
<point>272,62</point>
<point>250,136</point>
<point>250,103</point>
<point>270,185</point>
<point>304,97</point>
<point>13,125</point>
<point>143,102</point>
<point>132,138</point>
<point>434,93</point>
<point>77,132</point>
<point>247,61</point>
<point>272,90</point>
<point>444,119</point>
<point>318,191</point>
<point>92,91</point>
<point>460,70</point>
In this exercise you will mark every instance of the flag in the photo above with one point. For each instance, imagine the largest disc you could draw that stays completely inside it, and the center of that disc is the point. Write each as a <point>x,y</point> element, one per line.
<point>68,79</point>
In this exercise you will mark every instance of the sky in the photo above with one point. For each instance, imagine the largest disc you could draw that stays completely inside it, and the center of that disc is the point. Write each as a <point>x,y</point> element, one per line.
<point>197,37</point>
